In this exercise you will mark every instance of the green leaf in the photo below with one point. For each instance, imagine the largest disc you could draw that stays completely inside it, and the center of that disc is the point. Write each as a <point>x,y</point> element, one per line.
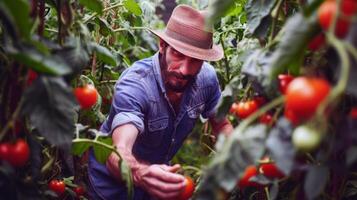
<point>50,105</point>
<point>74,54</point>
<point>31,57</point>
<point>127,176</point>
<point>103,54</point>
<point>227,97</point>
<point>101,153</point>
<point>290,51</point>
<point>133,7</point>
<point>315,181</point>
<point>218,9</point>
<point>78,148</point>
<point>256,12</point>
<point>280,146</point>
<point>19,11</point>
<point>93,5</point>
<point>242,148</point>
<point>104,27</point>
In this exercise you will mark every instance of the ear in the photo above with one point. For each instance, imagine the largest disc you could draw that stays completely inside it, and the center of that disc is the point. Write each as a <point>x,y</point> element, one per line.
<point>162,45</point>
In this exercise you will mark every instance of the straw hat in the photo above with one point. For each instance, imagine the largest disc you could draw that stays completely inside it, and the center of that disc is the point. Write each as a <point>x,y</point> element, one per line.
<point>186,31</point>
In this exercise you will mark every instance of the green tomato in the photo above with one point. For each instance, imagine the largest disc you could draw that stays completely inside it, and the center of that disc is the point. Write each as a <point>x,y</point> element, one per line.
<point>306,139</point>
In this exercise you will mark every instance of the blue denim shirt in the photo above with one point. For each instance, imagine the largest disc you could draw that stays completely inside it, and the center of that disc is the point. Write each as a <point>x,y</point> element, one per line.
<point>140,99</point>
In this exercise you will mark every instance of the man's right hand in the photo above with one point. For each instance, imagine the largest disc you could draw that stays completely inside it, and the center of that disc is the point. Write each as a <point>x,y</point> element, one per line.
<point>160,181</point>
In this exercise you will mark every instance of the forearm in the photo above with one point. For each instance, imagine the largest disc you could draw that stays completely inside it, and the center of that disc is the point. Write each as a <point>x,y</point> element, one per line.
<point>133,163</point>
<point>124,138</point>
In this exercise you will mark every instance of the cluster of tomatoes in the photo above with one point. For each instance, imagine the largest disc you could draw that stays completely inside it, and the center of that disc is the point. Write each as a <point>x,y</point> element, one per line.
<point>59,187</point>
<point>303,97</point>
<point>17,154</point>
<point>326,14</point>
<point>267,168</point>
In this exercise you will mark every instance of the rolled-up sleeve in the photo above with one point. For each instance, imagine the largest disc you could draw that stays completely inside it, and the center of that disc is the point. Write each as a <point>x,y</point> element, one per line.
<point>129,102</point>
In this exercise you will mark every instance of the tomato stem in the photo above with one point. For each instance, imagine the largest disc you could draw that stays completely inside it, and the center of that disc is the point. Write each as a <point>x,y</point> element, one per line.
<point>343,79</point>
<point>109,147</point>
<point>12,120</point>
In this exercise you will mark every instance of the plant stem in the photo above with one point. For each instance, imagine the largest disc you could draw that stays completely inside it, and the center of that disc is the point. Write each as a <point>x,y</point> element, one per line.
<point>104,10</point>
<point>130,28</point>
<point>343,79</point>
<point>225,58</point>
<point>12,120</point>
<point>275,15</point>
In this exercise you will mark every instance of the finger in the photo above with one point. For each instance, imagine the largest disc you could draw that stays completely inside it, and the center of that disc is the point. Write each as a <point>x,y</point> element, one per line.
<point>174,168</point>
<point>164,195</point>
<point>157,184</point>
<point>167,176</point>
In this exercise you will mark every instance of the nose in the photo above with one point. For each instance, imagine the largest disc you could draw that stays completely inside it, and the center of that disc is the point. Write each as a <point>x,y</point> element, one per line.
<point>186,67</point>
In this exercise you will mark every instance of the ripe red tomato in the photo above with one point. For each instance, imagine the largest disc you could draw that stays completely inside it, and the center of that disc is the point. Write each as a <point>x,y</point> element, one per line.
<point>353,113</point>
<point>284,81</point>
<point>5,151</point>
<point>234,108</point>
<point>327,12</point>
<point>31,76</point>
<point>188,190</point>
<point>270,170</point>
<point>291,116</point>
<point>317,42</point>
<point>249,172</point>
<point>304,95</point>
<point>86,96</point>
<point>260,100</point>
<point>266,118</point>
<point>20,153</point>
<point>57,186</point>
<point>246,108</point>
<point>79,190</point>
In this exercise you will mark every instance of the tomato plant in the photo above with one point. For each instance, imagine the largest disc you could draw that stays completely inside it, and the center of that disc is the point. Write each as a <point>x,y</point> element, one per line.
<point>57,186</point>
<point>79,190</point>
<point>270,170</point>
<point>327,11</point>
<point>306,139</point>
<point>246,108</point>
<point>304,95</point>
<point>20,153</point>
<point>266,118</point>
<point>188,190</point>
<point>353,113</point>
<point>5,151</point>
<point>249,172</point>
<point>284,81</point>
<point>317,42</point>
<point>31,76</point>
<point>234,108</point>
<point>87,96</point>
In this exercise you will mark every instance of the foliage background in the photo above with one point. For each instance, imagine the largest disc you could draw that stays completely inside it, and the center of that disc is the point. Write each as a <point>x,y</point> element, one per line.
<point>69,43</point>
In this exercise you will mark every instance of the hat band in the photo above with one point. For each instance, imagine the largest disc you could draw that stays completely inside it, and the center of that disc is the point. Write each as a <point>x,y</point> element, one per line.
<point>183,38</point>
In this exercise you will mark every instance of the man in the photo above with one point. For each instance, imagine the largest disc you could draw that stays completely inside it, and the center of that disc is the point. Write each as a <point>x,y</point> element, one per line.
<point>156,104</point>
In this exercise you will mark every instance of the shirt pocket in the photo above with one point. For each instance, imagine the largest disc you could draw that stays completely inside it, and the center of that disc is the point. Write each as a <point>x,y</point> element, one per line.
<point>194,111</point>
<point>156,131</point>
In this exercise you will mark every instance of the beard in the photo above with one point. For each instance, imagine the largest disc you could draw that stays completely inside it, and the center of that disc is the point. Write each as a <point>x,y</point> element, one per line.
<point>174,81</point>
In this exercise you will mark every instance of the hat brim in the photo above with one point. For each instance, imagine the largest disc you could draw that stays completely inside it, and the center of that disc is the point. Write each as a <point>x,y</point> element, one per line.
<point>213,54</point>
